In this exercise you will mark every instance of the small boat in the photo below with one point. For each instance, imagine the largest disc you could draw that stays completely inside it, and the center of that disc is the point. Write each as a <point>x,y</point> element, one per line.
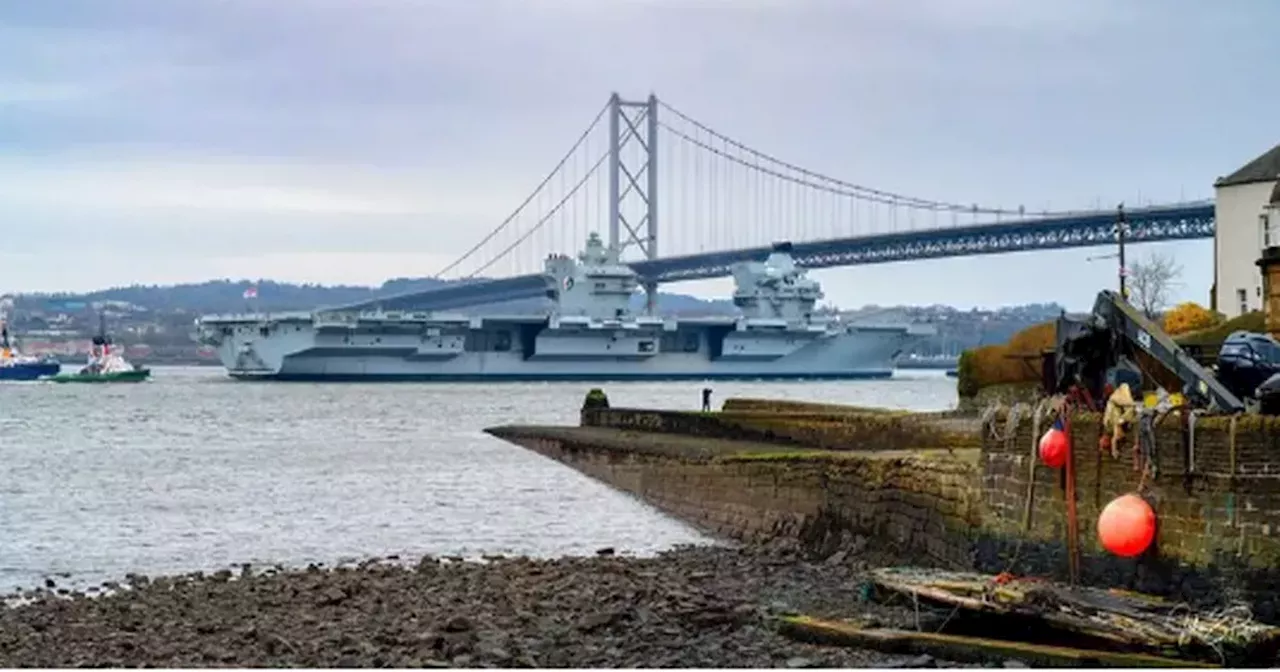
<point>105,364</point>
<point>17,366</point>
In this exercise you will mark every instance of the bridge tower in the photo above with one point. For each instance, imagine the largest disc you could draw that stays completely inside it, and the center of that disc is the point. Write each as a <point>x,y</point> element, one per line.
<point>633,182</point>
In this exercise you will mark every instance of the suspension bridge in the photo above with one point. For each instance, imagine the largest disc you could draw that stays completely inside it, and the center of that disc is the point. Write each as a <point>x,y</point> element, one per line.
<point>642,164</point>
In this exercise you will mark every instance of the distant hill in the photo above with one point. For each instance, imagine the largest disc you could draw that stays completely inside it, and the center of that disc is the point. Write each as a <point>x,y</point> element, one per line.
<point>223,296</point>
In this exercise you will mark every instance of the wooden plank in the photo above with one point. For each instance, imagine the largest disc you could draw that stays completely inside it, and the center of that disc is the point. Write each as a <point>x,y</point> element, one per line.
<point>967,649</point>
<point>1132,620</point>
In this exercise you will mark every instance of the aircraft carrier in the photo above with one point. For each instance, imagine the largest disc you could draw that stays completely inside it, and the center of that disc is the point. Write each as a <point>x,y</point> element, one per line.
<point>591,333</point>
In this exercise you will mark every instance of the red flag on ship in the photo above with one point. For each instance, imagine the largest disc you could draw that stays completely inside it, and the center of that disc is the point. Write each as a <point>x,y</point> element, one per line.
<point>251,292</point>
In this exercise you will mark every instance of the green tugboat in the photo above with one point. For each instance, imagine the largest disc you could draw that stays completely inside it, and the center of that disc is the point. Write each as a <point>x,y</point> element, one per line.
<point>105,365</point>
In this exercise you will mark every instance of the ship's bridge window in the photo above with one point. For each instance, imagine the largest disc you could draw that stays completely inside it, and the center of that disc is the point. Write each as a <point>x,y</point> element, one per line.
<point>645,346</point>
<point>263,331</point>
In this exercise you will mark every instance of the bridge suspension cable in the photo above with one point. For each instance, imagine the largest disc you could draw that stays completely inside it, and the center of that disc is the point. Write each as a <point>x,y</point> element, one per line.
<point>843,187</point>
<point>528,199</point>
<point>541,221</point>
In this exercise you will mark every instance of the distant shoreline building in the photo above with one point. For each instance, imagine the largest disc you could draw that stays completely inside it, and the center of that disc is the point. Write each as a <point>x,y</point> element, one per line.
<point>1247,220</point>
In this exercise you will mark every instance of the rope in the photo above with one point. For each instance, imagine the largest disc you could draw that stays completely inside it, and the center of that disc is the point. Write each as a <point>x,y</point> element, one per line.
<point>1191,439</point>
<point>1014,414</point>
<point>1011,424</point>
<point>1232,624</point>
<point>1231,458</point>
<point>988,416</point>
<point>1073,519</point>
<point>1043,410</point>
<point>1046,408</point>
<point>1144,448</point>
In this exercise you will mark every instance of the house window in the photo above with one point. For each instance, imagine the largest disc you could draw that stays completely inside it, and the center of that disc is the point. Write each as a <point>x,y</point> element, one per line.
<point>1264,226</point>
<point>1243,297</point>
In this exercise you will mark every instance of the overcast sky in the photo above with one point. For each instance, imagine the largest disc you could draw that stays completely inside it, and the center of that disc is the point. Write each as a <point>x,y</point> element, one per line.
<point>161,141</point>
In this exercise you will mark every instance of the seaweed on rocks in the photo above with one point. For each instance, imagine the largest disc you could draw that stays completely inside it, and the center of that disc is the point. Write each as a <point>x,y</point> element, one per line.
<point>694,606</point>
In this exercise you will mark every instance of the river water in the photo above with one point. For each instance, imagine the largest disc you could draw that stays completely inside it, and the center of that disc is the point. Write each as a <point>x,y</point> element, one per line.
<point>192,471</point>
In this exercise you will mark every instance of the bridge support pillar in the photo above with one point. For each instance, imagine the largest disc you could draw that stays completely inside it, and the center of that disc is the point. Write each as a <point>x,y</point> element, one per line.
<point>651,298</point>
<point>633,181</point>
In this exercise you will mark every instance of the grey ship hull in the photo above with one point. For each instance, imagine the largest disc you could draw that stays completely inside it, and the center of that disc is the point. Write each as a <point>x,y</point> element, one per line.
<point>589,336</point>
<point>299,353</point>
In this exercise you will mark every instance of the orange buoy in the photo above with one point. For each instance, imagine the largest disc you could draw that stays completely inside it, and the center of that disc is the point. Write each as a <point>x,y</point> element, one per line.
<point>1053,448</point>
<point>1127,526</point>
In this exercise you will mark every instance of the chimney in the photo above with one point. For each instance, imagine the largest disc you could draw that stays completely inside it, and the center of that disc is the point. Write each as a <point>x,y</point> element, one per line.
<point>1270,265</point>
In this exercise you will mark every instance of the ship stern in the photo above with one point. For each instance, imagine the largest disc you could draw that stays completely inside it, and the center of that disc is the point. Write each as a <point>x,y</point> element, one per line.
<point>249,347</point>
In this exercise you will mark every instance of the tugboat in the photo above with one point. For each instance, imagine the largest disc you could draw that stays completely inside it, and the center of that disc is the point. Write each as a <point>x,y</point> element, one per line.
<point>17,366</point>
<point>105,364</point>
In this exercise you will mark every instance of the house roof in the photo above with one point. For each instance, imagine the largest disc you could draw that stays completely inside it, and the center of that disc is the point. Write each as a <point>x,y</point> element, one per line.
<point>1265,168</point>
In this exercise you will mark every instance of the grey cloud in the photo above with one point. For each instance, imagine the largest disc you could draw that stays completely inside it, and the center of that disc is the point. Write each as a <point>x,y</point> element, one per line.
<point>998,101</point>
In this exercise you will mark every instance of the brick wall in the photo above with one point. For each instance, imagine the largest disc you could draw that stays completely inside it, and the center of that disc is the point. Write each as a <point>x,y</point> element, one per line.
<point>1218,513</point>
<point>918,505</point>
<point>822,430</point>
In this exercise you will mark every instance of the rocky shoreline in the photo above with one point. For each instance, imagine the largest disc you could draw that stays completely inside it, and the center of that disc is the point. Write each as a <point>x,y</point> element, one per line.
<point>690,607</point>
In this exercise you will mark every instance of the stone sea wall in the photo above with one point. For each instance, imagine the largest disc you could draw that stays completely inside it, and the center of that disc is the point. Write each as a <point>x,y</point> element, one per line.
<point>938,489</point>
<point>827,430</point>
<point>911,503</point>
<point>1005,394</point>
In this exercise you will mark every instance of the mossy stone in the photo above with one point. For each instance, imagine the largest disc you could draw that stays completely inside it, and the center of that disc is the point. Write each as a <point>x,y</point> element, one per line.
<point>596,398</point>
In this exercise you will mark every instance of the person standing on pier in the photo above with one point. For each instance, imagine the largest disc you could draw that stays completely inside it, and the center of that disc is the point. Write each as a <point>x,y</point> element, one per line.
<point>706,400</point>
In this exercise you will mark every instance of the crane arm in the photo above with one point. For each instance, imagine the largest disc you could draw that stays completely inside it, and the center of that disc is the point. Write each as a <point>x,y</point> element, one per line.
<point>1111,334</point>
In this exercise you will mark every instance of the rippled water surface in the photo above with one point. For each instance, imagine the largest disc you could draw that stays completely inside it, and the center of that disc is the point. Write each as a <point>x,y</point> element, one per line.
<point>193,471</point>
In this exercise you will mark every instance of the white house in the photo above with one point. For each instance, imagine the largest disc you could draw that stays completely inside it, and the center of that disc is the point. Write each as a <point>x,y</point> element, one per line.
<point>1247,220</point>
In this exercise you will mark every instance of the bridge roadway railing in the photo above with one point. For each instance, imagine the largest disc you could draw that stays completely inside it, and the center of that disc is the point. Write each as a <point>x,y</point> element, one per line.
<point>1176,222</point>
<point>1180,222</point>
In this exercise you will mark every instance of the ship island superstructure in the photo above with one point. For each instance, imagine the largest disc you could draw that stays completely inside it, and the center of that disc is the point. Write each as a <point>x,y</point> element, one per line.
<point>590,333</point>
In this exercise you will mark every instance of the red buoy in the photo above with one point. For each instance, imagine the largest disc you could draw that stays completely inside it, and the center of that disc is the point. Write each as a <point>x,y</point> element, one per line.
<point>1127,526</point>
<point>1053,448</point>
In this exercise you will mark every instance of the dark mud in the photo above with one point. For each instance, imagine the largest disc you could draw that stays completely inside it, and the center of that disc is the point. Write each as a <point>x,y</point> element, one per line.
<point>693,607</point>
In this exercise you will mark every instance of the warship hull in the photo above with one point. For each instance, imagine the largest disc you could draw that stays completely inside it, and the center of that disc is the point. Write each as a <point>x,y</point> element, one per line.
<point>589,335</point>
<point>859,353</point>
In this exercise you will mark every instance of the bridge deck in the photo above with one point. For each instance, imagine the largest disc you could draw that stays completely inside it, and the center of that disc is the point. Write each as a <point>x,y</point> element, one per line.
<point>1178,222</point>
